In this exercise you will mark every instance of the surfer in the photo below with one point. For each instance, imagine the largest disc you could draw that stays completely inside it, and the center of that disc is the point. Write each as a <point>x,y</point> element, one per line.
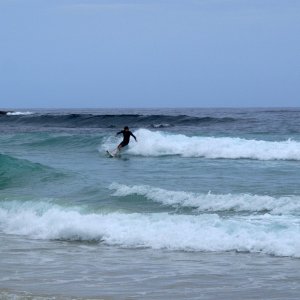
<point>126,137</point>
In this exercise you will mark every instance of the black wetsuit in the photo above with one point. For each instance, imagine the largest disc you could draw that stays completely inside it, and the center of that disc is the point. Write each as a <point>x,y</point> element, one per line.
<point>126,137</point>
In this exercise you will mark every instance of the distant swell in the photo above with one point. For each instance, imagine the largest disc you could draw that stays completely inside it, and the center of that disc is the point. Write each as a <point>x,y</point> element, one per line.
<point>157,143</point>
<point>106,121</point>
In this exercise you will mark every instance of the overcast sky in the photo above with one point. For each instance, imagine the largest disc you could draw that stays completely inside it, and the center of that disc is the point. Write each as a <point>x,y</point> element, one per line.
<point>155,53</point>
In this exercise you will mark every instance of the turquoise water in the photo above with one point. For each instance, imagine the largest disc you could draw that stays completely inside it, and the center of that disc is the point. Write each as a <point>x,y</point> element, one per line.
<point>203,193</point>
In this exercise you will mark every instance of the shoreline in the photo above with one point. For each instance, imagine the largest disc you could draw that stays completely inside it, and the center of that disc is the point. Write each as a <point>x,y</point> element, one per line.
<point>154,274</point>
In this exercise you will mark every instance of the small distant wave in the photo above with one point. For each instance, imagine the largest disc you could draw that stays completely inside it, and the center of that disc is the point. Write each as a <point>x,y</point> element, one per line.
<point>19,113</point>
<point>165,125</point>
<point>158,143</point>
<point>212,202</point>
<point>276,235</point>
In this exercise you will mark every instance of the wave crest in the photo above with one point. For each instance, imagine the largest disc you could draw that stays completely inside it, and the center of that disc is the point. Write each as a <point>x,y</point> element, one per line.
<point>277,235</point>
<point>212,202</point>
<point>19,113</point>
<point>157,143</point>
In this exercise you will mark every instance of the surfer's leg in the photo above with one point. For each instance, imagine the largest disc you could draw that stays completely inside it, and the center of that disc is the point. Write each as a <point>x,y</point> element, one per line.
<point>123,144</point>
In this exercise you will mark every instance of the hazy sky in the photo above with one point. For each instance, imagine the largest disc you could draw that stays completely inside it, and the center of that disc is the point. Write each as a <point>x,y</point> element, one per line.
<point>169,53</point>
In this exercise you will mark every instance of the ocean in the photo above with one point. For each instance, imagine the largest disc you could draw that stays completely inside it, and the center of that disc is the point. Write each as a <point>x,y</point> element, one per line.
<point>205,205</point>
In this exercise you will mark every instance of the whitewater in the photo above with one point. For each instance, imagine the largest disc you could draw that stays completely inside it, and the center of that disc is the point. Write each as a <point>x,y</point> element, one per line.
<point>160,143</point>
<point>206,202</point>
<point>277,235</point>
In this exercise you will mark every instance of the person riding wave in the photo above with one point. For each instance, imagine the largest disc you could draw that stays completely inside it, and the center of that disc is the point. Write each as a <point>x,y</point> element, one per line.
<point>126,137</point>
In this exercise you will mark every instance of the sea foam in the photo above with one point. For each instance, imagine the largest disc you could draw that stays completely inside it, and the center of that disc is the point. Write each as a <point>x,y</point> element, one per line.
<point>277,235</point>
<point>212,202</point>
<point>158,143</point>
<point>19,113</point>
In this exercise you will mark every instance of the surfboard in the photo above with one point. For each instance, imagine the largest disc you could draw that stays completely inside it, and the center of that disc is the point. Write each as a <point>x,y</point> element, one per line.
<point>109,154</point>
<point>113,153</point>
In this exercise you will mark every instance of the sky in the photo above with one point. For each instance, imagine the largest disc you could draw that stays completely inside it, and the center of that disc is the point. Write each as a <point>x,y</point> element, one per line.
<point>149,53</point>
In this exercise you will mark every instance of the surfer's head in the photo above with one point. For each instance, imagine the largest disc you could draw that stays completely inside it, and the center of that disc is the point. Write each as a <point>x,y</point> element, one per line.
<point>126,128</point>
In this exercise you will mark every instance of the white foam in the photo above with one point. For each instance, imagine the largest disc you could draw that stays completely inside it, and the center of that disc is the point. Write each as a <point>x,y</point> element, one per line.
<point>163,125</point>
<point>157,143</point>
<point>19,113</point>
<point>278,235</point>
<point>212,202</point>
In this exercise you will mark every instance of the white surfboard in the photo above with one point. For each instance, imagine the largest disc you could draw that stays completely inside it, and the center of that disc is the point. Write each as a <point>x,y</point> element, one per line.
<point>109,153</point>
<point>113,153</point>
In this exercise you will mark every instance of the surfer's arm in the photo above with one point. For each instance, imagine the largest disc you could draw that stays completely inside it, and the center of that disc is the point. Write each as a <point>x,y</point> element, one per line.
<point>119,132</point>
<point>133,136</point>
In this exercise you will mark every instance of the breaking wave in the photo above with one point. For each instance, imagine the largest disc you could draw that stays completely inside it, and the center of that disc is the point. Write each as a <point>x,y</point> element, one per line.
<point>212,202</point>
<point>19,113</point>
<point>276,235</point>
<point>157,143</point>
